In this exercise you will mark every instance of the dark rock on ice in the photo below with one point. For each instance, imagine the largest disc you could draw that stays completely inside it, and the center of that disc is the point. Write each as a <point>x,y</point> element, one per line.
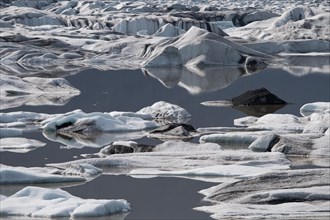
<point>257,97</point>
<point>174,130</point>
<point>257,102</point>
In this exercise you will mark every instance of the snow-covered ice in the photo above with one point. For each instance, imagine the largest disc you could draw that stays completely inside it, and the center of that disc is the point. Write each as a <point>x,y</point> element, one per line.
<point>164,110</point>
<point>127,30</point>
<point>78,121</point>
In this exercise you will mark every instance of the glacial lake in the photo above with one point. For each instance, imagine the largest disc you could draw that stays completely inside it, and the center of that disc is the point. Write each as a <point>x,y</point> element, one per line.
<point>131,90</point>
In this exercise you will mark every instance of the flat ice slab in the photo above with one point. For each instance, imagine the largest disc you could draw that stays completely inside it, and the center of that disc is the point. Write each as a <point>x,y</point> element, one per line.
<point>33,175</point>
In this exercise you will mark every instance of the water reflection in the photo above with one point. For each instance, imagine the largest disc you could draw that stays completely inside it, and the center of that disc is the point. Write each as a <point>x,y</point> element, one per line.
<point>197,80</point>
<point>78,140</point>
<point>11,189</point>
<point>111,217</point>
<point>13,101</point>
<point>41,70</point>
<point>258,110</point>
<point>300,65</point>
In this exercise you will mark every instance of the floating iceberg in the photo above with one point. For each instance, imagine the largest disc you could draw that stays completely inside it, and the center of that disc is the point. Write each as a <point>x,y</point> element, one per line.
<point>33,175</point>
<point>164,110</point>
<point>275,194</point>
<point>92,123</point>
<point>316,107</point>
<point>78,121</point>
<point>40,202</point>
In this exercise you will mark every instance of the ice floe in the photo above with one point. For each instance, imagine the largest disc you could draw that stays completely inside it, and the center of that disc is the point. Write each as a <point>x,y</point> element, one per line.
<point>275,194</point>
<point>316,107</point>
<point>287,211</point>
<point>92,123</point>
<point>33,175</point>
<point>77,129</point>
<point>300,138</point>
<point>276,130</point>
<point>78,121</point>
<point>167,111</point>
<point>41,202</point>
<point>177,158</point>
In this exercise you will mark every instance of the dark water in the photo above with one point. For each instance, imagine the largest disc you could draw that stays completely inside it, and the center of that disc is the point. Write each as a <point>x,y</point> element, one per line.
<point>156,198</point>
<point>130,90</point>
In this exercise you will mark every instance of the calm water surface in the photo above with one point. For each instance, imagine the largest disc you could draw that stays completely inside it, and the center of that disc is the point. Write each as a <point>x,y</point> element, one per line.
<point>131,90</point>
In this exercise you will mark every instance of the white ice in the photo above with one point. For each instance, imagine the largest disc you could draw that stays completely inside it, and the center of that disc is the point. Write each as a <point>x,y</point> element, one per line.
<point>188,160</point>
<point>97,121</point>
<point>41,202</point>
<point>316,107</point>
<point>164,110</point>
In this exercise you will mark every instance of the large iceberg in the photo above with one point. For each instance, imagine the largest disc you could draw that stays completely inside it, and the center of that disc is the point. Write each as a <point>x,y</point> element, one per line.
<point>198,47</point>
